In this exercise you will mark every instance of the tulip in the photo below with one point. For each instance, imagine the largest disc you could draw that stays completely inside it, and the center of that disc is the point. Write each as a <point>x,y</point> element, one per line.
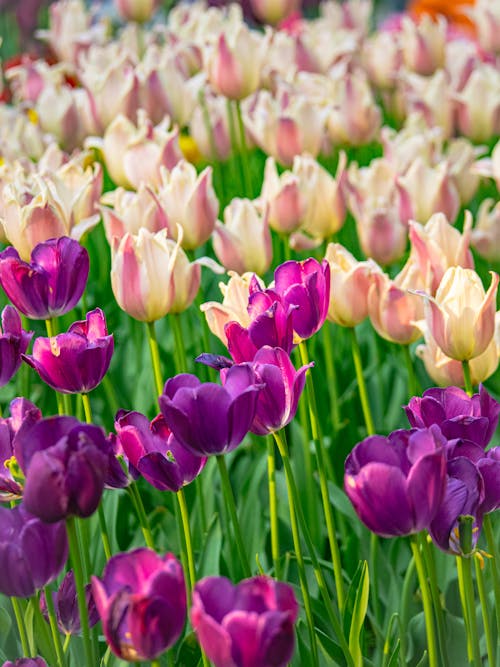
<point>58,114</point>
<point>186,276</point>
<point>130,211</point>
<point>65,463</point>
<point>234,63</point>
<point>322,195</point>
<point>432,98</point>
<point>485,236</point>
<point>141,274</point>
<point>396,484</point>
<point>282,388</point>
<point>461,317</point>
<point>439,246</point>
<point>247,625</point>
<point>486,18</point>
<point>141,600</point>
<point>32,553</point>
<point>26,662</point>
<point>189,201</point>
<point>458,415</point>
<point>478,104</point>
<point>134,154</point>
<point>51,284</point>
<point>136,10</point>
<point>21,411</point>
<point>423,44</point>
<point>273,11</point>
<point>489,167</point>
<point>350,282</point>
<point>281,195</point>
<point>74,362</point>
<point>209,128</point>
<point>489,468</point>
<point>382,59</point>
<point>243,242</point>
<point>234,304</point>
<point>155,453</point>
<point>461,155</point>
<point>207,418</point>
<point>14,342</point>
<point>66,606</point>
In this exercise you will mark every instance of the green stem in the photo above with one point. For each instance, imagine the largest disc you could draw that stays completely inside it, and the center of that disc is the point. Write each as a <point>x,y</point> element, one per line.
<point>247,176</point>
<point>87,410</point>
<point>483,598</point>
<point>155,357</point>
<point>56,637</point>
<point>136,499</point>
<point>406,595</point>
<point>231,507</point>
<point>300,562</point>
<point>467,378</point>
<point>213,148</point>
<point>181,498</point>
<point>410,369</point>
<point>363,394</point>
<point>464,568</point>
<point>436,599</point>
<point>323,467</point>
<point>20,626</point>
<point>427,603</point>
<point>293,494</point>
<point>180,351</point>
<point>76,560</point>
<point>287,251</point>
<point>374,547</point>
<point>494,563</point>
<point>234,144</point>
<point>51,332</point>
<point>332,376</point>
<point>273,506</point>
<point>67,641</point>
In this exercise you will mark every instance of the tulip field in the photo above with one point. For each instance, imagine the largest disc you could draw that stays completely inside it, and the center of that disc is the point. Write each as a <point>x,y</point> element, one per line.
<point>250,333</point>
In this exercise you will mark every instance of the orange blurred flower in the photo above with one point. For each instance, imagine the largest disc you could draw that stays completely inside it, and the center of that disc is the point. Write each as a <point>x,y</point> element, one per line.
<point>453,10</point>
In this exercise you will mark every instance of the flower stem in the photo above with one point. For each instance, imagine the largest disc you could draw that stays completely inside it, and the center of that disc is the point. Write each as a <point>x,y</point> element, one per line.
<point>181,498</point>
<point>300,560</point>
<point>76,560</point>
<point>332,376</point>
<point>136,499</point>
<point>231,507</point>
<point>180,351</point>
<point>494,562</point>
<point>464,569</point>
<point>412,378</point>
<point>467,378</point>
<point>247,176</point>
<point>213,148</point>
<point>483,598</point>
<point>427,603</point>
<point>363,394</point>
<point>273,506</point>
<point>51,332</point>
<point>20,626</point>
<point>155,357</point>
<point>234,144</point>
<point>436,601</point>
<point>56,637</point>
<point>294,499</point>
<point>323,467</point>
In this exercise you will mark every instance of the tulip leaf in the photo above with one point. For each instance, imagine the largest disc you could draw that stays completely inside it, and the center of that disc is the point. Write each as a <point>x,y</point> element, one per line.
<point>210,557</point>
<point>356,608</point>
<point>5,622</point>
<point>189,651</point>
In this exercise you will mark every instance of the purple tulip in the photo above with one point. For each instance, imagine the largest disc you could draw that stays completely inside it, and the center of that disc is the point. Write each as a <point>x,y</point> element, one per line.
<point>51,284</point>
<point>74,362</point>
<point>32,553</point>
<point>26,662</point>
<point>65,463</point>
<point>458,415</point>
<point>396,484</point>
<point>463,495</point>
<point>489,469</point>
<point>66,606</point>
<point>207,418</point>
<point>271,325</point>
<point>141,600</point>
<point>22,412</point>
<point>247,625</point>
<point>14,341</point>
<point>153,450</point>
<point>305,285</point>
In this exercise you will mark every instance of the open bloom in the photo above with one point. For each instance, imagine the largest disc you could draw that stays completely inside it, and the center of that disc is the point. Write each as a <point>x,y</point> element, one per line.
<point>396,484</point>
<point>461,317</point>
<point>141,600</point>
<point>51,284</point>
<point>247,625</point>
<point>32,553</point>
<point>65,463</point>
<point>14,342</point>
<point>74,362</point>
<point>207,418</point>
<point>26,662</point>
<point>153,450</point>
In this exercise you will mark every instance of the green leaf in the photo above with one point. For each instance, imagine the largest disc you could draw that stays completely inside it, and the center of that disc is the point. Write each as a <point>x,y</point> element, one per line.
<point>210,556</point>
<point>189,652</point>
<point>5,622</point>
<point>359,613</point>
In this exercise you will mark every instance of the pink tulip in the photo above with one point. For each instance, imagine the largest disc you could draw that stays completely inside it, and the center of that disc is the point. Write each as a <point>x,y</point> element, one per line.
<point>423,44</point>
<point>281,194</point>
<point>126,211</point>
<point>478,104</point>
<point>210,129</point>
<point>486,234</point>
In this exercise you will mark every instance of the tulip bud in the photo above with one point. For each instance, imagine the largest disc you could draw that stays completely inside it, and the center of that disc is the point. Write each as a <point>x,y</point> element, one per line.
<point>243,242</point>
<point>14,342</point>
<point>130,211</point>
<point>273,11</point>
<point>281,194</point>
<point>478,104</point>
<point>486,234</point>
<point>461,317</point>
<point>136,10</point>
<point>423,44</point>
